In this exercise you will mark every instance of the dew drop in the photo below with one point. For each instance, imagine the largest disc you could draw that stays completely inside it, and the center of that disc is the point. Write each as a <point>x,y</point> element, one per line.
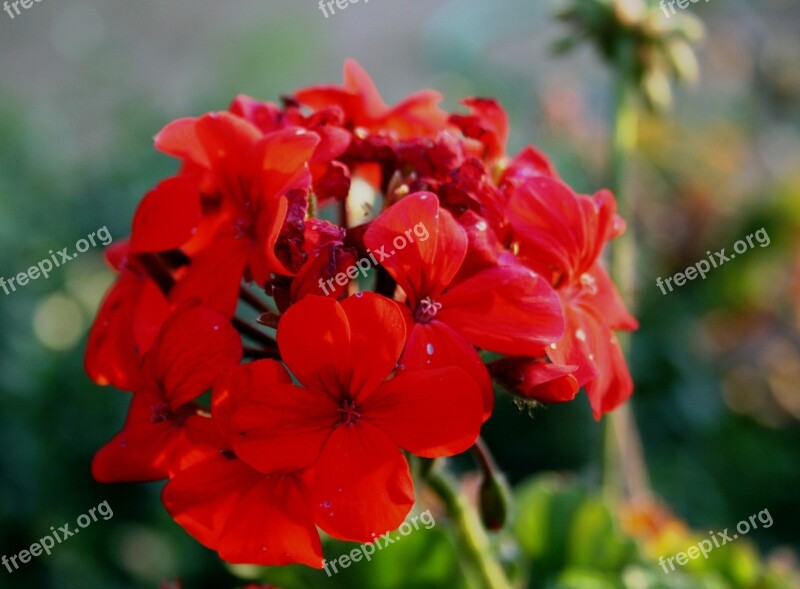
<point>581,335</point>
<point>429,349</point>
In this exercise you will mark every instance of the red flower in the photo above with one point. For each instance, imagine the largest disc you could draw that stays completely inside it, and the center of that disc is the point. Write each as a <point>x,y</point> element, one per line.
<point>250,174</point>
<point>561,235</point>
<point>349,422</point>
<point>126,325</point>
<point>487,123</point>
<point>165,431</point>
<point>226,505</point>
<point>509,309</point>
<point>364,108</point>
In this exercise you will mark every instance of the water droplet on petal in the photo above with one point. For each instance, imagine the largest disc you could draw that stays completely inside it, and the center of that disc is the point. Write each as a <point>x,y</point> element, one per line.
<point>429,349</point>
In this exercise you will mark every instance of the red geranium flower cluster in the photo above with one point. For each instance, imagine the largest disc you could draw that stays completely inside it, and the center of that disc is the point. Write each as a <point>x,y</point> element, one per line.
<point>243,276</point>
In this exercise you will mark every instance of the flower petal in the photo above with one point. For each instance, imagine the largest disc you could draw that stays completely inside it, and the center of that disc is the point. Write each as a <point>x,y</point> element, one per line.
<point>242,385</point>
<point>179,139</point>
<point>273,524</point>
<point>508,309</point>
<point>424,244</point>
<point>363,486</point>
<point>150,450</point>
<point>194,347</point>
<point>215,274</point>
<point>430,413</point>
<point>377,338</point>
<point>320,361</point>
<point>436,345</point>
<point>249,518</point>
<point>167,217</point>
<point>285,429</point>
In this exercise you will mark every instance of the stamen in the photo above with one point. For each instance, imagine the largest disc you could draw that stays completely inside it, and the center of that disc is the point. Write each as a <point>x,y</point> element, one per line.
<point>426,310</point>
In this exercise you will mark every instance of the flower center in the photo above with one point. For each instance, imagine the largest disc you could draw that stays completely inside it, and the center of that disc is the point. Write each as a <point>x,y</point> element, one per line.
<point>349,412</point>
<point>588,283</point>
<point>162,412</point>
<point>426,310</point>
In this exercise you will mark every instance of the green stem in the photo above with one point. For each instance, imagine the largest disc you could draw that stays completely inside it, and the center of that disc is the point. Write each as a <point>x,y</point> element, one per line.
<point>623,256</point>
<point>472,537</point>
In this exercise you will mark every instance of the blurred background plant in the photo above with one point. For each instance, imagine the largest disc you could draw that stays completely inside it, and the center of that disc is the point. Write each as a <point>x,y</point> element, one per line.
<point>84,86</point>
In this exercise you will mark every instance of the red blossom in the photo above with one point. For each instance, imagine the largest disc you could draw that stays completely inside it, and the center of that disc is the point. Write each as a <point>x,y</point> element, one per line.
<point>245,253</point>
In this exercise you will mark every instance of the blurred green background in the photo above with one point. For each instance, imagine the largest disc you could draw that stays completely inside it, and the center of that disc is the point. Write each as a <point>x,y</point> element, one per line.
<point>84,86</point>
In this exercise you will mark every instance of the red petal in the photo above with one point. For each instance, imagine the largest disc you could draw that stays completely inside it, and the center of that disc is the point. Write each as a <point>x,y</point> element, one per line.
<point>195,346</point>
<point>602,298</point>
<point>363,486</point>
<point>248,517</point>
<point>436,345</point>
<point>283,156</point>
<point>179,139</point>
<point>613,385</point>
<point>430,413</point>
<point>427,265</point>
<point>488,123</point>
<point>243,385</point>
<point>129,317</point>
<point>285,428</point>
<point>560,232</point>
<point>573,348</point>
<point>146,450</point>
<point>508,309</point>
<point>167,217</point>
<point>273,524</point>
<point>228,141</point>
<point>215,275</point>
<point>320,361</point>
<point>377,338</point>
<point>537,380</point>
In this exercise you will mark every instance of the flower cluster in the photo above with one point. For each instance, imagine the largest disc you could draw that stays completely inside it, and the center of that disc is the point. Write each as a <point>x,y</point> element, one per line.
<point>317,395</point>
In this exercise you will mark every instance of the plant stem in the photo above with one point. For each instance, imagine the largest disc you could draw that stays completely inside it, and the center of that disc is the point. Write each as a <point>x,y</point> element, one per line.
<point>472,538</point>
<point>623,463</point>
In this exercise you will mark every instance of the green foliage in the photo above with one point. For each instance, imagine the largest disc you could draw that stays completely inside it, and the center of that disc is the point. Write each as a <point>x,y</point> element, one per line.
<point>573,539</point>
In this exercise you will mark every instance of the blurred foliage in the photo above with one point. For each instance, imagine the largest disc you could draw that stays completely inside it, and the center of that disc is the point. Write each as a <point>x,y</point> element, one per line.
<point>576,540</point>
